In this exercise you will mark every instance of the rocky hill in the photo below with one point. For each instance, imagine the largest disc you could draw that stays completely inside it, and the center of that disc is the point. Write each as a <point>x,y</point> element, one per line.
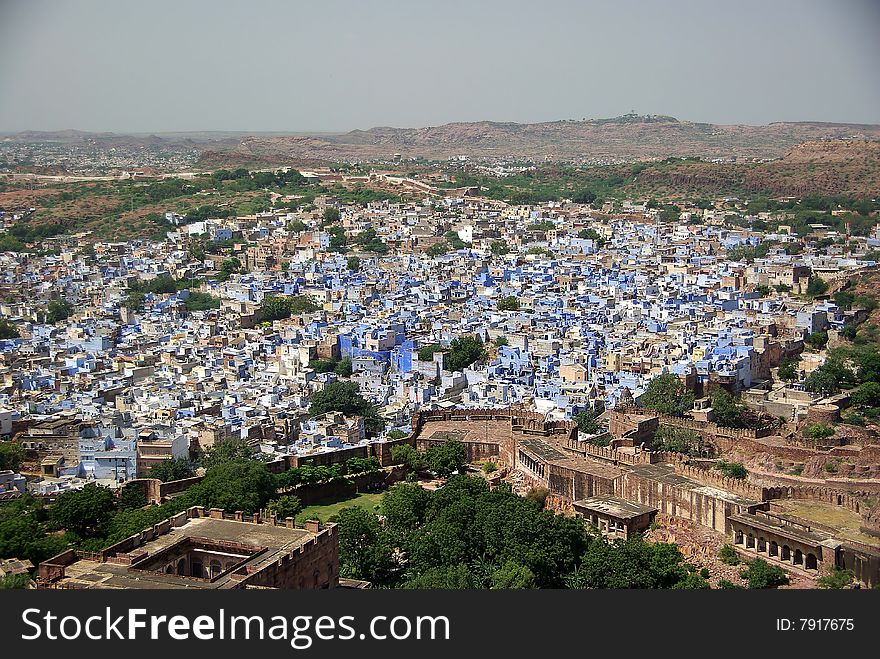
<point>627,138</point>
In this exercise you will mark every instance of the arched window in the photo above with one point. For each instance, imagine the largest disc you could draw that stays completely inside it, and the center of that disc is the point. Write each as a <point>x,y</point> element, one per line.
<point>216,568</point>
<point>181,567</point>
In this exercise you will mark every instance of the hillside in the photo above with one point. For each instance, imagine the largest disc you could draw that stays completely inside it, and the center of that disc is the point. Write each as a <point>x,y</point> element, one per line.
<point>626,138</point>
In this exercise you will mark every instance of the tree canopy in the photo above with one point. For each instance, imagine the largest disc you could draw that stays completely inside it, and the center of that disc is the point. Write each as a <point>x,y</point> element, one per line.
<point>666,394</point>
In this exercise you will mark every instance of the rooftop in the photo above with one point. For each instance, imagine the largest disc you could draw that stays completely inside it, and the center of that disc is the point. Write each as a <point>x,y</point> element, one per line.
<point>614,506</point>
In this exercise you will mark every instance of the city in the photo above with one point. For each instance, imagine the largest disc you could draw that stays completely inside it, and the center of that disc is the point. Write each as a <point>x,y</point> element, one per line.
<point>478,326</point>
<point>698,371</point>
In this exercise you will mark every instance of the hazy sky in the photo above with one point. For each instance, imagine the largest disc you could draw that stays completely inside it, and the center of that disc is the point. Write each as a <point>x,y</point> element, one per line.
<point>266,65</point>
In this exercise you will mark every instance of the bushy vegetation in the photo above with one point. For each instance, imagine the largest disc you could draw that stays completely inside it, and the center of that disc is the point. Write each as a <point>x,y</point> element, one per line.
<point>344,397</point>
<point>732,470</point>
<point>678,440</point>
<point>667,394</point>
<point>760,574</point>
<point>280,307</point>
<point>465,535</point>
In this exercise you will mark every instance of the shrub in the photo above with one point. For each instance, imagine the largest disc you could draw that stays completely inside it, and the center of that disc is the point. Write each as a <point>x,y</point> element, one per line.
<point>732,469</point>
<point>728,555</point>
<point>538,495</point>
<point>836,579</point>
<point>819,431</point>
<point>760,574</point>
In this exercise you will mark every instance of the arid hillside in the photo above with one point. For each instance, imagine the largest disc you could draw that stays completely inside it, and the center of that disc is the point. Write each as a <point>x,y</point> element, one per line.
<point>627,138</point>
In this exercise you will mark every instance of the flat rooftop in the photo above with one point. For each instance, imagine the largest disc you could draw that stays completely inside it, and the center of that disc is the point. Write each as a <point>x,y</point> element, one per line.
<point>615,506</point>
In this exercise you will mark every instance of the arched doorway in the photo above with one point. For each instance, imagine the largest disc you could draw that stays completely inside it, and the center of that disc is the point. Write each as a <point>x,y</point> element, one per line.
<point>786,553</point>
<point>738,537</point>
<point>811,563</point>
<point>774,548</point>
<point>762,545</point>
<point>216,568</point>
<point>750,541</point>
<point>181,567</point>
<point>196,569</point>
<point>798,557</point>
<point>169,569</point>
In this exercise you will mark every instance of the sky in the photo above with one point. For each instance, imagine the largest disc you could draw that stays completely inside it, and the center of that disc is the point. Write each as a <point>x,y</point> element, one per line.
<point>337,65</point>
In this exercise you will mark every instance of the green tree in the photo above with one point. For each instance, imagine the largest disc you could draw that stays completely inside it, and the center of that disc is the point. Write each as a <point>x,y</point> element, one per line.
<point>819,431</point>
<point>343,367</point>
<point>822,381</point>
<point>817,339</point>
<point>408,456</point>
<point>587,422</point>
<point>86,511</point>
<point>464,351</point>
<point>591,234</point>
<point>331,214</point>
<point>275,308</point>
<point>728,413</point>
<point>245,485</point>
<point>201,302</point>
<point>284,507</point>
<point>364,552</point>
<point>453,577</point>
<point>844,299</point>
<point>58,310</point>
<point>8,330</point>
<point>131,497</point>
<point>728,555</point>
<point>11,455</point>
<point>512,575</point>
<point>15,581</point>
<point>788,370</point>
<point>677,440</point>
<point>345,397</point>
<point>353,263</point>
<point>666,394</point>
<point>172,469</point>
<point>509,303</point>
<point>816,286</point>
<point>405,508</point>
<point>631,563</point>
<point>760,574</point>
<point>446,458</point>
<point>867,395</point>
<point>229,450</point>
<point>22,535</point>
<point>499,248</point>
<point>362,465</point>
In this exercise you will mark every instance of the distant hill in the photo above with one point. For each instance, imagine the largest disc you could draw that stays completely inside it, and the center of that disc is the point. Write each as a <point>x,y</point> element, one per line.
<point>626,138</point>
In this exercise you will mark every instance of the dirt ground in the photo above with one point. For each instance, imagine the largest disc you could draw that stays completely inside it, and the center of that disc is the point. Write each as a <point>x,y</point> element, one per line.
<point>701,546</point>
